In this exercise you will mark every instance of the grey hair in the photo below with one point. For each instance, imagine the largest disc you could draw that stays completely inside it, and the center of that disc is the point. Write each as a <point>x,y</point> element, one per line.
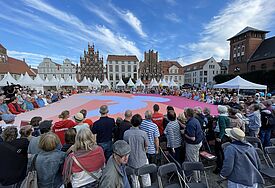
<point>128,113</point>
<point>148,114</point>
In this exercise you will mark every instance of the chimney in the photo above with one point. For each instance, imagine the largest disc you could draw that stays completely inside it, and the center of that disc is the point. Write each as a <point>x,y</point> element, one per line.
<point>24,60</point>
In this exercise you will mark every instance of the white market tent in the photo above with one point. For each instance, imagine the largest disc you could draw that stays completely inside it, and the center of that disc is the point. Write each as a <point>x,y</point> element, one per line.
<point>173,84</point>
<point>53,82</point>
<point>61,82</point>
<point>240,83</point>
<point>26,81</point>
<point>96,83</point>
<point>8,78</point>
<point>120,83</point>
<point>21,77</point>
<point>84,83</point>
<point>139,83</point>
<point>130,83</point>
<point>38,83</point>
<point>154,83</point>
<point>69,82</point>
<point>164,83</point>
<point>106,83</point>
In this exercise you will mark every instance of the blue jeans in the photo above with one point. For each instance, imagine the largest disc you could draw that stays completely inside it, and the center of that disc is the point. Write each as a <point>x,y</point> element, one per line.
<point>107,148</point>
<point>265,137</point>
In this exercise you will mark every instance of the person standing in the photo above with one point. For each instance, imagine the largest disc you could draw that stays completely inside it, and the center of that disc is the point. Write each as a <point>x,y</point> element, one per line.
<point>124,125</point>
<point>138,141</point>
<point>114,174</point>
<point>103,128</point>
<point>193,137</point>
<point>254,120</point>
<point>241,158</point>
<point>158,119</point>
<point>153,135</point>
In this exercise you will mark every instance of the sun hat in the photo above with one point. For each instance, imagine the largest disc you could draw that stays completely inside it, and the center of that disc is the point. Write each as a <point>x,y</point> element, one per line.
<point>103,109</point>
<point>121,148</point>
<point>78,117</point>
<point>235,133</point>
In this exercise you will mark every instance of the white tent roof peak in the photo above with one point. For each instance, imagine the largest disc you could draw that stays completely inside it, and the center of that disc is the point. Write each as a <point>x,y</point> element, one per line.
<point>120,83</point>
<point>130,83</point>
<point>240,83</point>
<point>8,78</point>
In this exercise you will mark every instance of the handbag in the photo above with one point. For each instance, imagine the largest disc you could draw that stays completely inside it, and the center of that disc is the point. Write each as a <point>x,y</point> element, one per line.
<point>31,180</point>
<point>90,173</point>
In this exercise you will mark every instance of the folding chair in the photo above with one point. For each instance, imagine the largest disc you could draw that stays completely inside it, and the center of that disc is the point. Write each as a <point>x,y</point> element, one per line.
<point>163,171</point>
<point>148,169</point>
<point>270,153</point>
<point>272,141</point>
<point>195,166</point>
<point>256,142</point>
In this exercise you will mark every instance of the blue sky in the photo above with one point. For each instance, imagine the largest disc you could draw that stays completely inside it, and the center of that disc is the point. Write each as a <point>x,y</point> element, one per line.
<point>182,30</point>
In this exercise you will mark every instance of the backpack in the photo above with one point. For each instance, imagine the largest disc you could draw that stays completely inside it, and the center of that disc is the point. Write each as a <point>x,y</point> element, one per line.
<point>271,121</point>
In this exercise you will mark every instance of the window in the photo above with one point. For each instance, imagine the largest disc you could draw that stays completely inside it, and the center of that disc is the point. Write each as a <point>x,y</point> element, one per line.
<point>123,68</point>
<point>213,72</point>
<point>117,68</point>
<point>217,72</point>
<point>205,73</point>
<point>211,66</point>
<point>166,77</point>
<point>129,68</point>
<point>135,68</point>
<point>200,73</point>
<point>200,79</point>
<point>111,77</point>
<point>176,78</point>
<point>117,77</point>
<point>110,68</point>
<point>179,77</point>
<point>263,66</point>
<point>205,79</point>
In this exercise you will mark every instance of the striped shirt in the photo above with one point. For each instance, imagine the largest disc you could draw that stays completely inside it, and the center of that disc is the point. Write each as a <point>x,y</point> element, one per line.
<point>152,132</point>
<point>172,132</point>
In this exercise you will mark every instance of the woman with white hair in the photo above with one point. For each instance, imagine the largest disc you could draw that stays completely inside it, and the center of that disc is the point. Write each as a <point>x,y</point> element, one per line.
<point>222,123</point>
<point>83,166</point>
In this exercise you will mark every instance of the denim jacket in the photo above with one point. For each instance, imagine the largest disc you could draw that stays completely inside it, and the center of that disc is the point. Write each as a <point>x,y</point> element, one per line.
<point>254,120</point>
<point>49,168</point>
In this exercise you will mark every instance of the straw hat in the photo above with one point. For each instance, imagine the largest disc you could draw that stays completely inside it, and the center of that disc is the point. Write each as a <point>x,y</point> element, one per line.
<point>78,117</point>
<point>235,133</point>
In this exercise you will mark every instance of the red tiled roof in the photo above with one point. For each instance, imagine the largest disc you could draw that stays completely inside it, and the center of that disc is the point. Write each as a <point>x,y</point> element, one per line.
<point>198,65</point>
<point>15,66</point>
<point>167,64</point>
<point>122,58</point>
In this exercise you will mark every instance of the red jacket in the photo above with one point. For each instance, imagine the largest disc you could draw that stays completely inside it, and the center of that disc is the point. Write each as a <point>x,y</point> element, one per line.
<point>60,127</point>
<point>15,108</point>
<point>157,118</point>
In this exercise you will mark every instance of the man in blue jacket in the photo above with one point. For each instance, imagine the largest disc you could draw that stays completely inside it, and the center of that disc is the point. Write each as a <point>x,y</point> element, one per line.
<point>241,163</point>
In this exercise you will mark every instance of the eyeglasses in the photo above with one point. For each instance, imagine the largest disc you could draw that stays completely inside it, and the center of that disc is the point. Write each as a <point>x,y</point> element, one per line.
<point>127,155</point>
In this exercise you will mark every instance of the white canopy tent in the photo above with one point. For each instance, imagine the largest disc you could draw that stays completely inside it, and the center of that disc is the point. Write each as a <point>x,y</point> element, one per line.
<point>120,83</point>
<point>61,82</point>
<point>139,83</point>
<point>164,83</point>
<point>69,82</point>
<point>38,83</point>
<point>96,83</point>
<point>8,78</point>
<point>240,83</point>
<point>106,83</point>
<point>173,84</point>
<point>84,83</point>
<point>130,83</point>
<point>21,78</point>
<point>27,81</point>
<point>154,83</point>
<point>51,83</point>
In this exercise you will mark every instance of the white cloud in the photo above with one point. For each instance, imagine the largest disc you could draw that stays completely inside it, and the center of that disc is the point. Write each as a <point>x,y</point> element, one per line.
<point>100,13</point>
<point>171,2</point>
<point>172,17</point>
<point>131,19</point>
<point>35,58</point>
<point>229,21</point>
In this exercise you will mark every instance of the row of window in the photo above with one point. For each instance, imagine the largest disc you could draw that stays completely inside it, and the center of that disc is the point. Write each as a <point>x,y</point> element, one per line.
<point>122,68</point>
<point>117,77</point>
<point>263,67</point>
<point>171,78</point>
<point>122,62</point>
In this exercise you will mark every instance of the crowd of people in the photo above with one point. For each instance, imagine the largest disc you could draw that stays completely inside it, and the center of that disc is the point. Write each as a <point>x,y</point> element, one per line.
<point>77,152</point>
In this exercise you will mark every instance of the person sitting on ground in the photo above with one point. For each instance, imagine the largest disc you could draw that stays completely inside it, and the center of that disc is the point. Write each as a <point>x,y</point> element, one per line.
<point>27,105</point>
<point>124,125</point>
<point>40,101</point>
<point>35,124</point>
<point>114,174</point>
<point>13,158</point>
<point>86,157</point>
<point>103,129</point>
<point>247,162</point>
<point>14,107</point>
<point>78,118</point>
<point>49,161</point>
<point>138,141</point>
<point>64,124</point>
<point>86,120</point>
<point>4,109</point>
